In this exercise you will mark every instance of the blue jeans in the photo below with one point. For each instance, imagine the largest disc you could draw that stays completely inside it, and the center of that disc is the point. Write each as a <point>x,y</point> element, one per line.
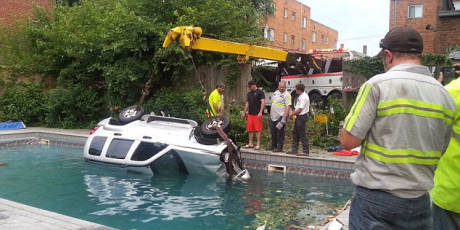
<point>444,219</point>
<point>376,209</point>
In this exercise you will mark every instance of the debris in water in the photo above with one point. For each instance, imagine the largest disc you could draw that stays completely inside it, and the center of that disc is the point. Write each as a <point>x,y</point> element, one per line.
<point>3,164</point>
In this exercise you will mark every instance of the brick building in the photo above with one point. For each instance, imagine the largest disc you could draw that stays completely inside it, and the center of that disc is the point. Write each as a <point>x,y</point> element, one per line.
<point>438,21</point>
<point>291,28</point>
<point>11,10</point>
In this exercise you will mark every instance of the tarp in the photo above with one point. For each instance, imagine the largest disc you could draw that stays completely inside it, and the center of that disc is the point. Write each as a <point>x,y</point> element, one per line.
<point>12,125</point>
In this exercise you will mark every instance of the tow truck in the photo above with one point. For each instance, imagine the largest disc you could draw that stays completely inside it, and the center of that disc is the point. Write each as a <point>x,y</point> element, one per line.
<point>319,70</point>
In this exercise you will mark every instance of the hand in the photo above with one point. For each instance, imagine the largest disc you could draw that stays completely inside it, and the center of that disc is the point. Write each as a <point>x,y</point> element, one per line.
<point>259,115</point>
<point>243,115</point>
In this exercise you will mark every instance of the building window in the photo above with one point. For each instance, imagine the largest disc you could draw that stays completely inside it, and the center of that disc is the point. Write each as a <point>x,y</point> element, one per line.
<point>285,13</point>
<point>313,37</point>
<point>304,22</point>
<point>322,38</point>
<point>293,16</point>
<point>285,37</point>
<point>303,44</point>
<point>292,40</point>
<point>271,35</point>
<point>415,11</point>
<point>327,40</point>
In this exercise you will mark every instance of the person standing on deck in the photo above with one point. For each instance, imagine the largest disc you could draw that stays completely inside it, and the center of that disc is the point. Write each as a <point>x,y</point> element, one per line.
<point>446,191</point>
<point>254,107</point>
<point>279,112</point>
<point>216,101</point>
<point>301,109</point>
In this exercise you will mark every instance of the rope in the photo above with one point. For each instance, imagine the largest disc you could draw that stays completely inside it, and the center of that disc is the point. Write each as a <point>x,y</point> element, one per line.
<point>203,89</point>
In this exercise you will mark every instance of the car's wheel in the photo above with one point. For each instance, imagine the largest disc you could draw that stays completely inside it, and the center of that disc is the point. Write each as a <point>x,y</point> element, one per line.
<point>203,140</point>
<point>131,113</point>
<point>335,94</point>
<point>316,100</point>
<point>207,127</point>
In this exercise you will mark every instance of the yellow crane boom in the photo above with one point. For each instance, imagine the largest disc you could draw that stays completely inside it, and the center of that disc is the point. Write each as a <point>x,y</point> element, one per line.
<point>189,37</point>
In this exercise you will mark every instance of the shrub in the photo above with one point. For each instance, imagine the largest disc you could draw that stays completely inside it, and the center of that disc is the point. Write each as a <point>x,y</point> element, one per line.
<point>238,133</point>
<point>74,107</point>
<point>23,102</point>
<point>181,104</point>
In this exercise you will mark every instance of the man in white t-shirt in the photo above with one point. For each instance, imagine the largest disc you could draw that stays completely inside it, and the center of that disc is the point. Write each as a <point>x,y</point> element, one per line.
<point>302,106</point>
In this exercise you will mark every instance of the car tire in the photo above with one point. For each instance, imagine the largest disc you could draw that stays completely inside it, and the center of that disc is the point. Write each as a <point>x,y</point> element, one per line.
<point>335,94</point>
<point>206,130</point>
<point>316,100</point>
<point>130,114</point>
<point>202,140</point>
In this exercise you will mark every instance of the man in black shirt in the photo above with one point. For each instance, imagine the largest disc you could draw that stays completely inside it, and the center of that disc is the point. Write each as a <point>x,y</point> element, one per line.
<point>255,103</point>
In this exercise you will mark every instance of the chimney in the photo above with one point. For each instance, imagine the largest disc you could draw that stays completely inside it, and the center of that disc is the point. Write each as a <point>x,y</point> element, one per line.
<point>342,46</point>
<point>365,50</point>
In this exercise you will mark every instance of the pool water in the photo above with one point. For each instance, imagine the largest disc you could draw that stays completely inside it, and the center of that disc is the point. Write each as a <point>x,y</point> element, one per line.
<point>58,179</point>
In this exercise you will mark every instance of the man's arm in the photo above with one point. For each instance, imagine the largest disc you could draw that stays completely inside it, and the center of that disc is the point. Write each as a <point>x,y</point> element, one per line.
<point>286,111</point>
<point>349,141</point>
<point>216,108</point>
<point>262,106</point>
<point>246,106</point>
<point>360,119</point>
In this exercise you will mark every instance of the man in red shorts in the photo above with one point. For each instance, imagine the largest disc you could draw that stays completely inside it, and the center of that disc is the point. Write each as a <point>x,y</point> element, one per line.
<point>253,107</point>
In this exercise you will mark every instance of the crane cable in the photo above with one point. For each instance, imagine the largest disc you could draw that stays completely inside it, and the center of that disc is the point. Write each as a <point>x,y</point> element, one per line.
<point>203,89</point>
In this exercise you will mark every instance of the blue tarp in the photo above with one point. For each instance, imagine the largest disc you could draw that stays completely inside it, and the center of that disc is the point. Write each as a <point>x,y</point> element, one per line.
<point>12,125</point>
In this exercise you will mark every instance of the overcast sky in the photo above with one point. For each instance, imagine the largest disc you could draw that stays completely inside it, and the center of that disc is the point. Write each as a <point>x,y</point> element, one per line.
<point>359,22</point>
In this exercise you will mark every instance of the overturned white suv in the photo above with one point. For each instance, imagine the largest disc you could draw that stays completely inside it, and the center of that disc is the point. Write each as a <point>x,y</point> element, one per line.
<point>157,144</point>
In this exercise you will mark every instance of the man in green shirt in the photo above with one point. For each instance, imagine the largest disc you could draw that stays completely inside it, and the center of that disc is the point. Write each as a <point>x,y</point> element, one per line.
<point>216,101</point>
<point>446,191</point>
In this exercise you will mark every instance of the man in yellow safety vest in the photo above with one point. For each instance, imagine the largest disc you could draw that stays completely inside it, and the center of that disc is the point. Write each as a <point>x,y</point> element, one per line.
<point>446,191</point>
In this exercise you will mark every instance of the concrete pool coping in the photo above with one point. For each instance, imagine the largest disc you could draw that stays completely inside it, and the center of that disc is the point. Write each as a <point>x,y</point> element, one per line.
<point>319,163</point>
<point>17,216</point>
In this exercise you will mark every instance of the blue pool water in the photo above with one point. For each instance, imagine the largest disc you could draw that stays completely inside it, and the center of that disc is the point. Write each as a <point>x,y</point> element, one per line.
<point>57,179</point>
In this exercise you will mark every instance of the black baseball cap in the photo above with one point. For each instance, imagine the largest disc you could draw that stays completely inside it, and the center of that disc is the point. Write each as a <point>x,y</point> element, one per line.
<point>403,39</point>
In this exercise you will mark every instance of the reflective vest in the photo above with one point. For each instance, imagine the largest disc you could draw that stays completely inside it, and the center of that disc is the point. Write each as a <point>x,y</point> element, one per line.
<point>446,191</point>
<point>214,98</point>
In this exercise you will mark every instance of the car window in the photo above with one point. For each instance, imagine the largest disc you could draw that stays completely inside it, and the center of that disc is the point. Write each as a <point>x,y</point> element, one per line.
<point>119,148</point>
<point>95,148</point>
<point>146,150</point>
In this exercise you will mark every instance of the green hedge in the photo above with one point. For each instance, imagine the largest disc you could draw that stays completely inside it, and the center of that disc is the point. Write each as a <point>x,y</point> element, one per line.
<point>370,66</point>
<point>23,102</point>
<point>182,104</point>
<point>74,107</point>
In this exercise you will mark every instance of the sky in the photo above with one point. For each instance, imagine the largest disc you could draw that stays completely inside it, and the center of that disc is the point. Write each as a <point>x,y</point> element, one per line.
<point>359,22</point>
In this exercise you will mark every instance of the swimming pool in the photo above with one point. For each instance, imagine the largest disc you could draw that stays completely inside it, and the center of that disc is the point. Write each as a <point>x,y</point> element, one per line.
<point>57,179</point>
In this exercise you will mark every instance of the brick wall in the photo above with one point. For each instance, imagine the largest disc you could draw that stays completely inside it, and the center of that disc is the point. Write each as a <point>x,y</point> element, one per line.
<point>11,10</point>
<point>448,33</point>
<point>326,37</point>
<point>293,28</point>
<point>444,31</point>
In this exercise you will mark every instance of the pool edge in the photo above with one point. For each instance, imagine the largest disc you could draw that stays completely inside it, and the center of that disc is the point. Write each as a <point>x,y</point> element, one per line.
<point>15,215</point>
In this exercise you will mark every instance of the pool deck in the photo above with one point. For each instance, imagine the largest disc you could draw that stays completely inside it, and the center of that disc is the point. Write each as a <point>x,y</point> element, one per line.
<point>16,216</point>
<point>318,163</point>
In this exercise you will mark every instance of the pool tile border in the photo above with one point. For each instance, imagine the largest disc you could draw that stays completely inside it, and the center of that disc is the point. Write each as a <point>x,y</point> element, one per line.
<point>298,164</point>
